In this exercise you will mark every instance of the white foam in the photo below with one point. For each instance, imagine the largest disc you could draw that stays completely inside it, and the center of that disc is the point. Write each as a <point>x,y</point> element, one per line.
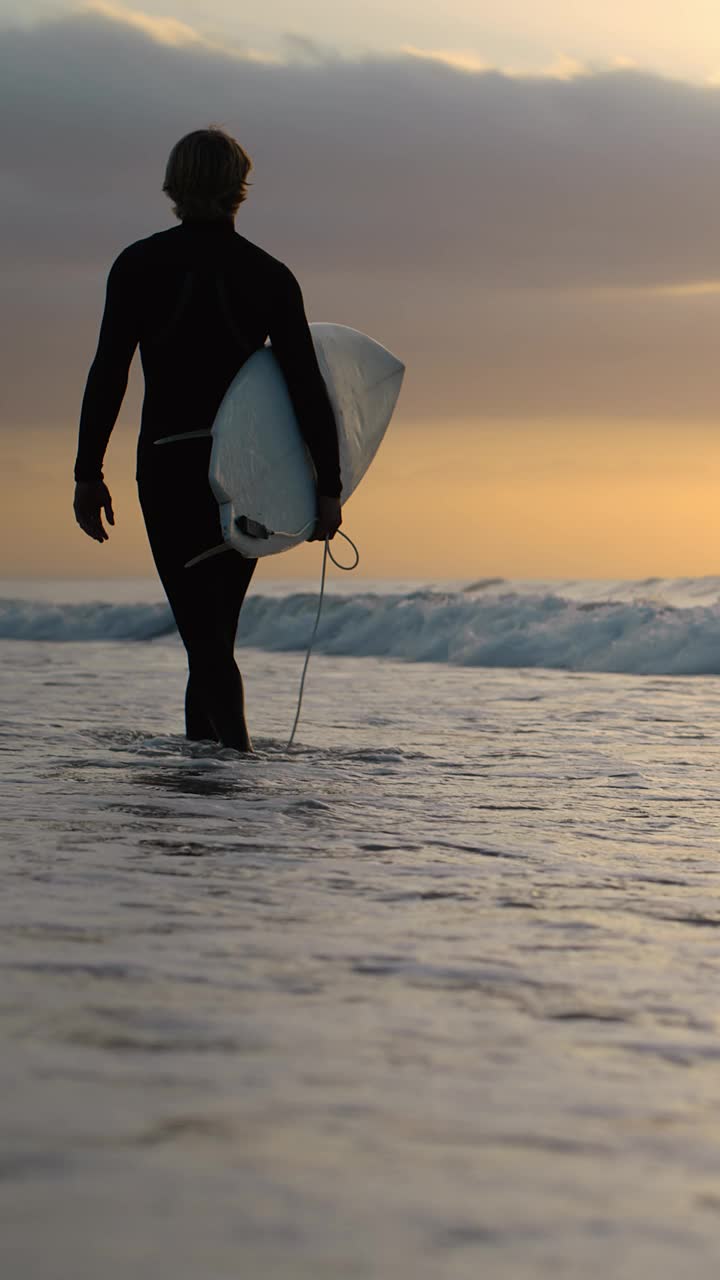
<point>630,628</point>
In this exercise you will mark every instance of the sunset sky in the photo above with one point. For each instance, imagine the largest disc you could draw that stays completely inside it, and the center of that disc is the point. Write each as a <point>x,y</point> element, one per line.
<point>521,200</point>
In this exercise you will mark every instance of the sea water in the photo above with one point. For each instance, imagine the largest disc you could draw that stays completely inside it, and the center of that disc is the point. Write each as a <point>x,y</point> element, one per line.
<point>434,995</point>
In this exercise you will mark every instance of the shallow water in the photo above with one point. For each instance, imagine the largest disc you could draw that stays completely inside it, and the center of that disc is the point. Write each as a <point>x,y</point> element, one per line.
<point>434,996</point>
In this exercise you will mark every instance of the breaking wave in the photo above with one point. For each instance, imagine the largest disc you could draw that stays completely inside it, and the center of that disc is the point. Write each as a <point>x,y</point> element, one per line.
<point>507,628</point>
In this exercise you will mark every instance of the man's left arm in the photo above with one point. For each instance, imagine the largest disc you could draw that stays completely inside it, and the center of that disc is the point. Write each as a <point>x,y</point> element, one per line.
<point>104,393</point>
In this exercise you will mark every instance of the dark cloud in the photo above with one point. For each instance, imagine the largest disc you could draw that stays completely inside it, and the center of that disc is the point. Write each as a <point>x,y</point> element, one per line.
<point>466,219</point>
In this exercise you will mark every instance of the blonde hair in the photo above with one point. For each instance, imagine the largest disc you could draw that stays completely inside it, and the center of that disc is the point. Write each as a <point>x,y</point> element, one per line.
<point>206,175</point>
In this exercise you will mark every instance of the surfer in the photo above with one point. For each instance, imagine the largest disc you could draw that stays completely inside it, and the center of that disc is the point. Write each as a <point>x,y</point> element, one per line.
<point>199,299</point>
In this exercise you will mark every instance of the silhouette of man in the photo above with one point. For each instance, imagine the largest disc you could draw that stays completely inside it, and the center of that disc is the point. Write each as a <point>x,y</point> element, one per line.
<point>199,299</point>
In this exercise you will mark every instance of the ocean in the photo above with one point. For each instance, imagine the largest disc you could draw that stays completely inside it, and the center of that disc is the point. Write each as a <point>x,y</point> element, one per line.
<point>433,995</point>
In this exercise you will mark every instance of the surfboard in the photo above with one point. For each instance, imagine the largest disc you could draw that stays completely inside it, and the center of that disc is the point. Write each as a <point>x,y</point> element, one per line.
<point>260,469</point>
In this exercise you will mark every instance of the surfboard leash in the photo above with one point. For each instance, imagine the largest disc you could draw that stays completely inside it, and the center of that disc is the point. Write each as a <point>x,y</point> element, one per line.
<point>346,568</point>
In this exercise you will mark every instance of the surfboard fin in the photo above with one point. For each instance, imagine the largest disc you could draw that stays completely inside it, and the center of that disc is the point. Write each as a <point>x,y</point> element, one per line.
<point>205,555</point>
<point>184,435</point>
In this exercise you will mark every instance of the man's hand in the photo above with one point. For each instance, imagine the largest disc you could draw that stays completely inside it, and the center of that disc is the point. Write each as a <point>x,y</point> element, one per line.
<point>329,519</point>
<point>91,498</point>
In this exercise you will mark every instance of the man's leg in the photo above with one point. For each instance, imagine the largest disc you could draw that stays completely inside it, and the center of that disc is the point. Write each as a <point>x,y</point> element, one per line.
<point>181,518</point>
<point>198,725</point>
<point>206,601</point>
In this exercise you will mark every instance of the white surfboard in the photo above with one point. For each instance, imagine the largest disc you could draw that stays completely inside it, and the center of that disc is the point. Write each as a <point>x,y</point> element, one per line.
<point>260,467</point>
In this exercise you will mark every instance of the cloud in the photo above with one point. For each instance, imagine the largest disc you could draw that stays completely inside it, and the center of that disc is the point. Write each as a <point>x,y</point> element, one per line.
<point>399,162</point>
<point>169,31</point>
<point>531,245</point>
<point>458,59</point>
<point>562,68</point>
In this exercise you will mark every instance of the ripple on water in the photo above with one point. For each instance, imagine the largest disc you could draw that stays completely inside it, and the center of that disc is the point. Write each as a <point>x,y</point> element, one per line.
<point>412,1000</point>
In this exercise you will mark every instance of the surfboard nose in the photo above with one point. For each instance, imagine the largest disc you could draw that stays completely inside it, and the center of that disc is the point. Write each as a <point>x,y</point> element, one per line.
<point>381,365</point>
<point>363,380</point>
<point>372,363</point>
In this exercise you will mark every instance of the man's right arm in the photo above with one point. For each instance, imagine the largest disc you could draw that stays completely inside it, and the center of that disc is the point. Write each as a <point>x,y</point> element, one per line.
<point>293,347</point>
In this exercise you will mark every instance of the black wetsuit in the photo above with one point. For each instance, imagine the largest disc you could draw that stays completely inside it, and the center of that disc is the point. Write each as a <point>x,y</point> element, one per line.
<point>199,299</point>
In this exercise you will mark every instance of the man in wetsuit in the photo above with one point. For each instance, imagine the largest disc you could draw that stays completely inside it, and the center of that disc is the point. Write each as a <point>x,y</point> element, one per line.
<point>199,299</point>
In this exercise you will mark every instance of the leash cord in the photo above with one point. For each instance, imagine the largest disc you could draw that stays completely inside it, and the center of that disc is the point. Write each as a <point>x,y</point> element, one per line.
<point>347,568</point>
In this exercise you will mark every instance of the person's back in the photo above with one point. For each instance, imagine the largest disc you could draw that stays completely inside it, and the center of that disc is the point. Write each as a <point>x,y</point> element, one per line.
<point>199,299</point>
